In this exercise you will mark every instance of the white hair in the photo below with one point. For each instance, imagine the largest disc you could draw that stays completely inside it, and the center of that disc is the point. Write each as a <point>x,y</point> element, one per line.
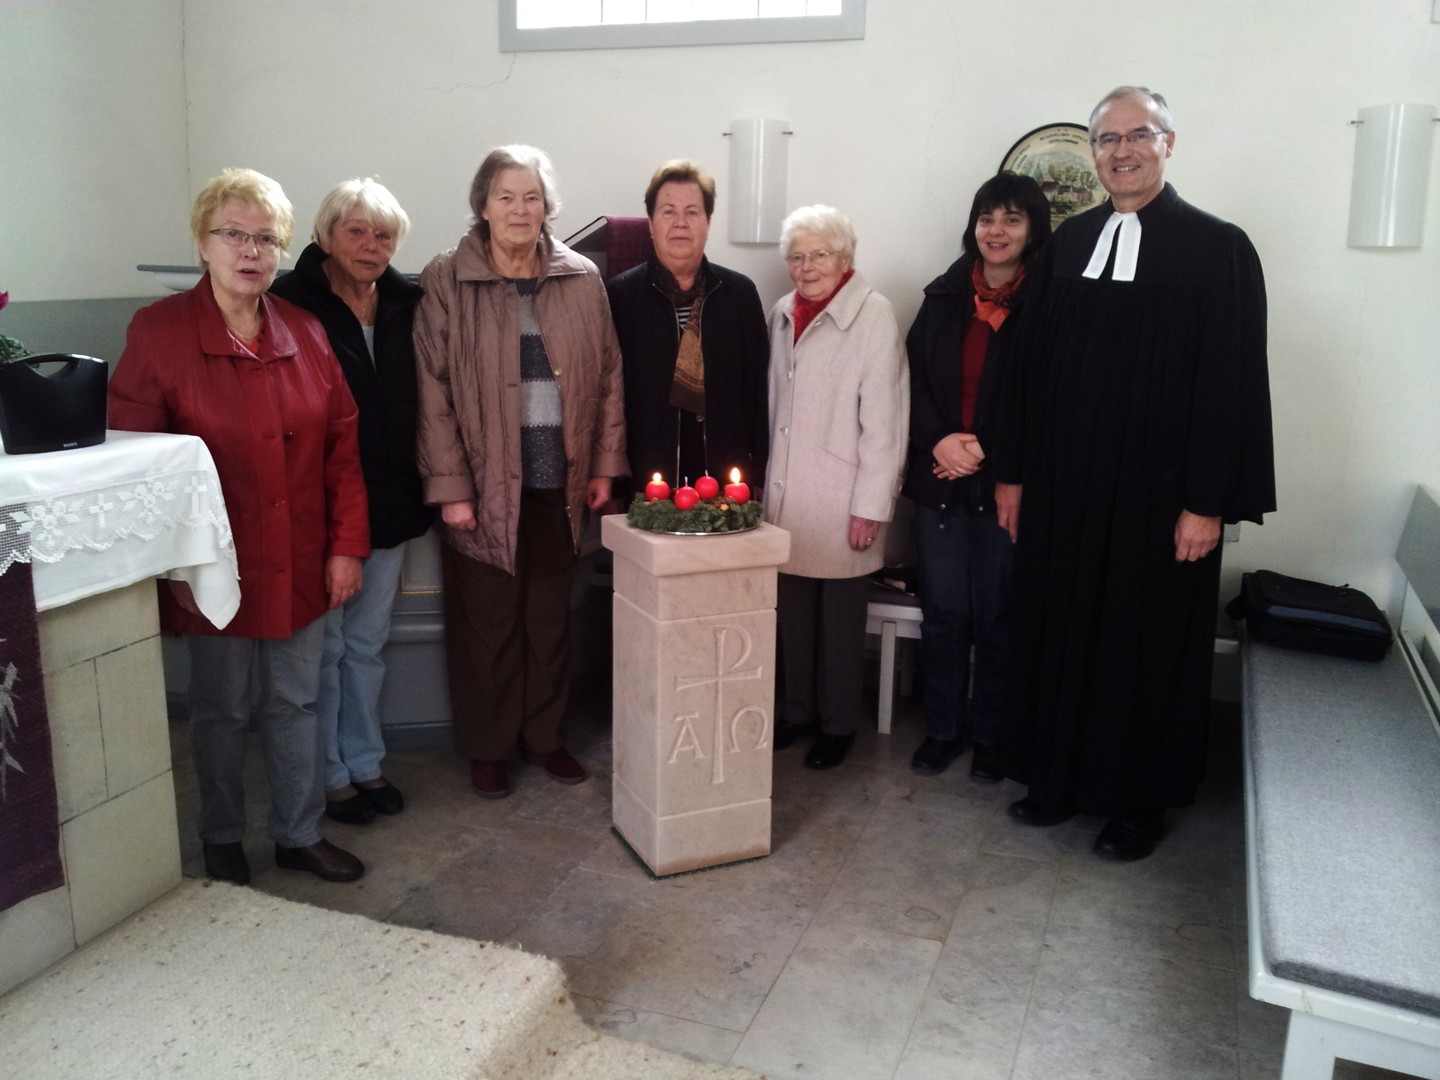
<point>1157,103</point>
<point>371,198</point>
<point>825,222</point>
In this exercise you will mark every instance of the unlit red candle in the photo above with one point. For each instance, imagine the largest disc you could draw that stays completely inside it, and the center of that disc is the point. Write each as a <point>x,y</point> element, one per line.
<point>707,487</point>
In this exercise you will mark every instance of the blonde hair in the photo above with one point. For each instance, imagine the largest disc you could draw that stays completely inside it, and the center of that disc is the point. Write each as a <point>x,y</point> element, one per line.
<point>250,187</point>
<point>371,198</point>
<point>515,156</point>
<point>825,222</point>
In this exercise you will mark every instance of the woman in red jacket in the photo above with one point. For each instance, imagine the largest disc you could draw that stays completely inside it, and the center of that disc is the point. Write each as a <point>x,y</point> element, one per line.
<point>255,378</point>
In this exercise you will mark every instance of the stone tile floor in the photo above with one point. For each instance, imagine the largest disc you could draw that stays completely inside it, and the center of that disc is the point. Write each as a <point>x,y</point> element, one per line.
<point>903,927</point>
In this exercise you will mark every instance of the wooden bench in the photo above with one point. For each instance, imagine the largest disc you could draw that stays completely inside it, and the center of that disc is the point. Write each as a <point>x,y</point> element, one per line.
<point>1342,770</point>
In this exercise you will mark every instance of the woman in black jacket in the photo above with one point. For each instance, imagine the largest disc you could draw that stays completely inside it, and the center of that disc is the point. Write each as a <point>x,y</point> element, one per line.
<point>345,279</point>
<point>695,346</point>
<point>959,347</point>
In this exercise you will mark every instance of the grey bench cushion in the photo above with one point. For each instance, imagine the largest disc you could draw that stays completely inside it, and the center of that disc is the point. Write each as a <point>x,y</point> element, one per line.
<point>1345,767</point>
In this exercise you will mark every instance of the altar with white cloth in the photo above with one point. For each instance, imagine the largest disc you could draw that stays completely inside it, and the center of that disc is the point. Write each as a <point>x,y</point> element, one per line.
<point>138,505</point>
<point>84,744</point>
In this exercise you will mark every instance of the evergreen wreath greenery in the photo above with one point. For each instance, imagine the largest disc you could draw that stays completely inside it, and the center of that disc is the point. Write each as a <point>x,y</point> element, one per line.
<point>716,515</point>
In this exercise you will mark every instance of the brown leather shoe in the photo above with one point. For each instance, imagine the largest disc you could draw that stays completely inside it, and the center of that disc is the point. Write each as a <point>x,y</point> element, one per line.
<point>559,764</point>
<point>490,779</point>
<point>227,862</point>
<point>323,859</point>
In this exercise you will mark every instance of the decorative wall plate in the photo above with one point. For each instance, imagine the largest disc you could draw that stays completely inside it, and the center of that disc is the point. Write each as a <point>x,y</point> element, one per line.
<point>1057,157</point>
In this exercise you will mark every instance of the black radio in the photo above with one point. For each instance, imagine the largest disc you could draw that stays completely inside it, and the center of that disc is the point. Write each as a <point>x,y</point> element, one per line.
<point>61,410</point>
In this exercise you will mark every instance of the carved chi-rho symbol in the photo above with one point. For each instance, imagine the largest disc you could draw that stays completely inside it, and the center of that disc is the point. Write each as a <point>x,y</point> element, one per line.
<point>688,739</point>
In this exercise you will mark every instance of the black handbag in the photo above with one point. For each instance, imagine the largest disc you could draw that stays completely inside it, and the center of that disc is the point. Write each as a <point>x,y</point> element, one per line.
<point>40,413</point>
<point>1310,615</point>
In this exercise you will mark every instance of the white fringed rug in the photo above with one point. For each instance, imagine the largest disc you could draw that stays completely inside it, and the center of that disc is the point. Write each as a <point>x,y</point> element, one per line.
<point>215,981</point>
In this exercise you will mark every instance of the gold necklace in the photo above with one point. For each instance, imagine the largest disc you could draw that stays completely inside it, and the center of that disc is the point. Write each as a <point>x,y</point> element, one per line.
<point>240,334</point>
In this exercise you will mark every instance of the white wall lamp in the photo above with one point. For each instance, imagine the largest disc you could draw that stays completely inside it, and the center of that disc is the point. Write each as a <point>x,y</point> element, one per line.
<point>1392,172</point>
<point>758,172</point>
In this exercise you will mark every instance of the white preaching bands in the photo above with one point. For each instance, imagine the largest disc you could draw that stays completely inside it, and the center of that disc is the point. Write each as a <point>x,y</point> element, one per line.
<point>1125,255</point>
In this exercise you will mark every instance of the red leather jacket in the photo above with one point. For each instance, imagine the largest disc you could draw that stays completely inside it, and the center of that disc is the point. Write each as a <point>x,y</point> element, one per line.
<point>280,424</point>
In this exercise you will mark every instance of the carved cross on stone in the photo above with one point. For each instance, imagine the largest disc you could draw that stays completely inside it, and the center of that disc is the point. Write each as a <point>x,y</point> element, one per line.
<point>688,739</point>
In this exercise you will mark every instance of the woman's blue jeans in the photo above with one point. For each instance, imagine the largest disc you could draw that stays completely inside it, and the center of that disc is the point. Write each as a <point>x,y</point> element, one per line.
<point>965,572</point>
<point>352,670</point>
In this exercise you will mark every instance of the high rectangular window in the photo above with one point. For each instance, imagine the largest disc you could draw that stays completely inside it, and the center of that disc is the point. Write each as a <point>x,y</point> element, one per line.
<point>527,25</point>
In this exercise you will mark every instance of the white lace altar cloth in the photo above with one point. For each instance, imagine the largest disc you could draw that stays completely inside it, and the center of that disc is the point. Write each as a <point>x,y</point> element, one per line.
<point>102,517</point>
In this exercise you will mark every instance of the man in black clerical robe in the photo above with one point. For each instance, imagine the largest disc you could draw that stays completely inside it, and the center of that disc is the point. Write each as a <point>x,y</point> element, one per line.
<point>1139,422</point>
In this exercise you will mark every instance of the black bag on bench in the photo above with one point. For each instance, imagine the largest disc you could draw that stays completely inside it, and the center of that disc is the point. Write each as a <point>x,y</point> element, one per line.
<point>1311,616</point>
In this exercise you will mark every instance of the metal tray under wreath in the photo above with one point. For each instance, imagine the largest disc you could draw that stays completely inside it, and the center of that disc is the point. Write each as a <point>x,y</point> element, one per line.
<point>726,532</point>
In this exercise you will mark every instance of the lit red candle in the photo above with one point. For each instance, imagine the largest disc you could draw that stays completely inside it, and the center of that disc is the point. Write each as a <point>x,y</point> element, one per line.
<point>735,491</point>
<point>686,498</point>
<point>707,487</point>
<point>657,488</point>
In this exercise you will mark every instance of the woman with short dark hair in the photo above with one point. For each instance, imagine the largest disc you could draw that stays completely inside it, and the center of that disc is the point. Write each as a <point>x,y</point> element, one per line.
<point>959,347</point>
<point>692,332</point>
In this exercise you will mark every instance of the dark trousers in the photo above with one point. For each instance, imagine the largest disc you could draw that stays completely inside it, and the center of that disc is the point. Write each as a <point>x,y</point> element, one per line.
<point>507,637</point>
<point>822,650</point>
<point>965,564</point>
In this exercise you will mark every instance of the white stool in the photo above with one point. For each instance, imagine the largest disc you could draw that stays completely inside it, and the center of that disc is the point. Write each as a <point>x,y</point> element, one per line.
<point>892,615</point>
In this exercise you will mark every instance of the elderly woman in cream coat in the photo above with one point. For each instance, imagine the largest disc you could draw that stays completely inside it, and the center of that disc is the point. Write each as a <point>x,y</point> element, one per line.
<point>839,421</point>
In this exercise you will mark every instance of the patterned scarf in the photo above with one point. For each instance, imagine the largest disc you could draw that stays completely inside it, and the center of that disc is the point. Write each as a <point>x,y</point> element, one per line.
<point>687,389</point>
<point>994,304</point>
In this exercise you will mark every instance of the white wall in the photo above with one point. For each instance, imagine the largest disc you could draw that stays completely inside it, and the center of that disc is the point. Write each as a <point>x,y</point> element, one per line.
<point>92,146</point>
<point>897,130</point>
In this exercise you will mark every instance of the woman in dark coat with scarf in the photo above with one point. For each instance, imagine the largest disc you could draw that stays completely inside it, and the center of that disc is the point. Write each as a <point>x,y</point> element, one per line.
<point>959,347</point>
<point>344,278</point>
<point>697,355</point>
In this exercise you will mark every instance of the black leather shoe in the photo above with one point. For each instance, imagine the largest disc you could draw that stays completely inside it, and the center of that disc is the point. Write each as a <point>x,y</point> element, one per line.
<point>786,733</point>
<point>985,764</point>
<point>356,810</point>
<point>935,755</point>
<point>323,859</point>
<point>1029,811</point>
<point>386,798</point>
<point>227,862</point>
<point>829,751</point>
<point>1131,836</point>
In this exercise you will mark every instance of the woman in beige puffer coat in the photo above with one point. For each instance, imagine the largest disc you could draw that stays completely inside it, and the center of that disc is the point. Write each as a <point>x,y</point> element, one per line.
<point>521,431</point>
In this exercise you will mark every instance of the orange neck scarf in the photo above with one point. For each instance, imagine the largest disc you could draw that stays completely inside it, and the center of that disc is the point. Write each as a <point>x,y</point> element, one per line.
<point>994,303</point>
